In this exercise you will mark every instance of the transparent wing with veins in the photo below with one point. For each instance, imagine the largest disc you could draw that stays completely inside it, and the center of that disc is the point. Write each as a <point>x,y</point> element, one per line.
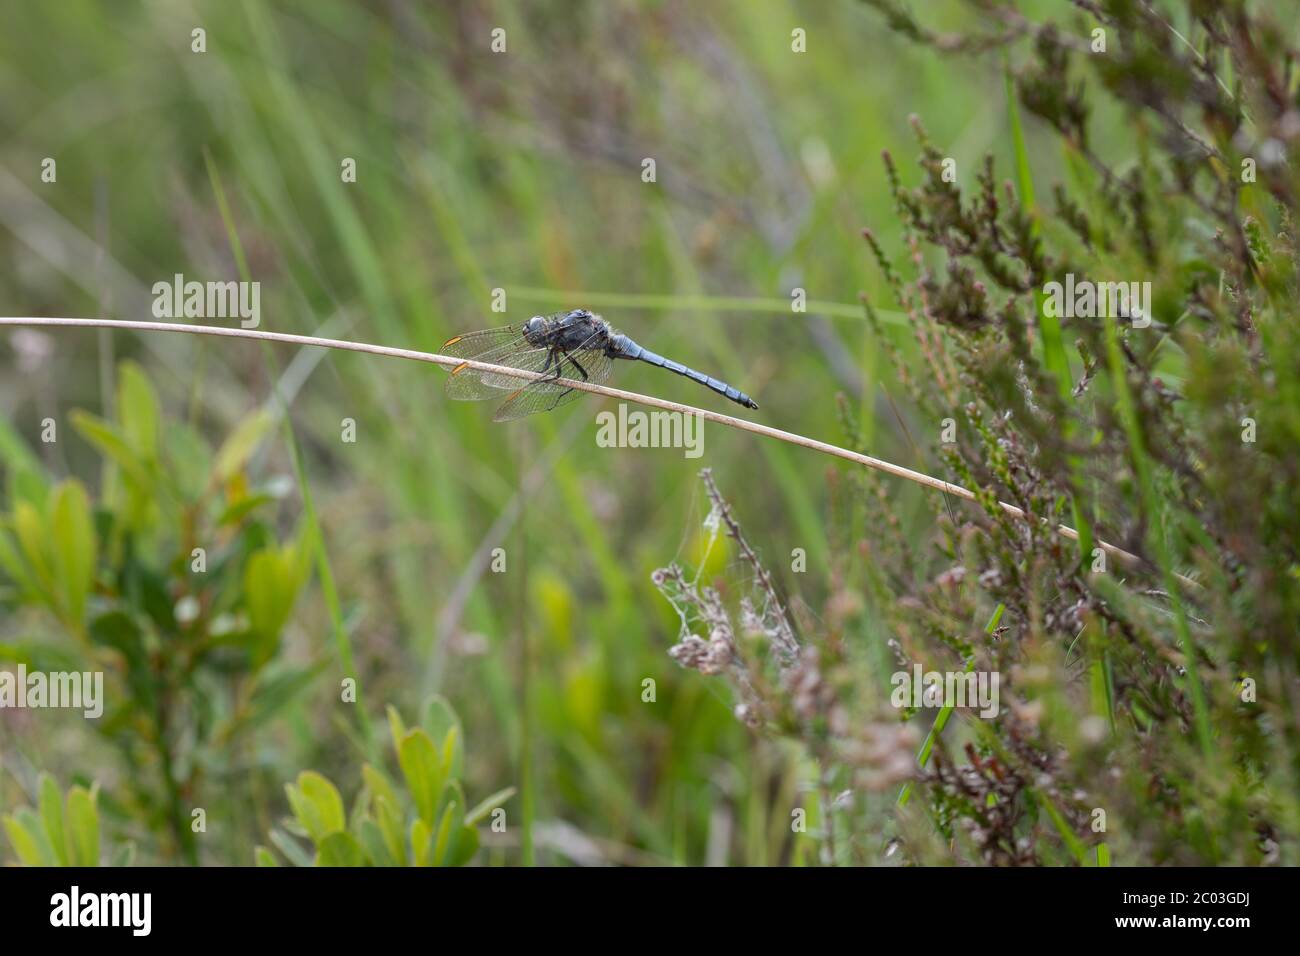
<point>508,347</point>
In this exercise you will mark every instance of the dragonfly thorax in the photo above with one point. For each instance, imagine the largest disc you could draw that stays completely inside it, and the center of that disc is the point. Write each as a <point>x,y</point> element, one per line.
<point>574,331</point>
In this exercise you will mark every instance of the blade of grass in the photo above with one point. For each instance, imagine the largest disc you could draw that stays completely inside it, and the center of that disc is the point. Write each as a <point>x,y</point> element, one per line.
<point>941,721</point>
<point>1155,516</point>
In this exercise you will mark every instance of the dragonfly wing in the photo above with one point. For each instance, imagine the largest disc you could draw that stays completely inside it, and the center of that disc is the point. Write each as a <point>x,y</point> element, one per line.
<point>485,345</point>
<point>471,345</point>
<point>538,397</point>
<point>544,395</point>
<point>471,384</point>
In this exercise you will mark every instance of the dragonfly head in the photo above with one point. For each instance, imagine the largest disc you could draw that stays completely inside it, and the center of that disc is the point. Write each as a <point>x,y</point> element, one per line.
<point>534,328</point>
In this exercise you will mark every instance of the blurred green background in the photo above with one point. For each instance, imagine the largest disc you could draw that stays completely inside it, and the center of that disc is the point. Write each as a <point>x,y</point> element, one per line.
<point>477,171</point>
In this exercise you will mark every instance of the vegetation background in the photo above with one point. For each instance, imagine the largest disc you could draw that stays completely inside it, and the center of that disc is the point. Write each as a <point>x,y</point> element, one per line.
<point>330,559</point>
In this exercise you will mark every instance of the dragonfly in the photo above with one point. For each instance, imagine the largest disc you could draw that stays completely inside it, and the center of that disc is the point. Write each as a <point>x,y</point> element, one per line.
<point>577,345</point>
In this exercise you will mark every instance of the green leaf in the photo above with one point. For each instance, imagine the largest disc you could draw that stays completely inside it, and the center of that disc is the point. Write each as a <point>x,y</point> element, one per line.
<point>451,793</point>
<point>241,443</point>
<point>456,843</point>
<point>396,727</point>
<point>941,720</point>
<point>51,804</point>
<point>451,753</point>
<point>448,828</point>
<point>189,460</point>
<point>30,528</point>
<point>340,849</point>
<point>111,443</point>
<point>15,566</point>
<point>14,452</point>
<point>390,823</point>
<point>290,847</point>
<point>324,796</point>
<point>306,812</point>
<point>240,509</point>
<point>82,822</point>
<point>465,847</point>
<point>375,844</point>
<point>264,857</point>
<point>439,719</point>
<point>421,843</point>
<point>423,771</point>
<point>379,785</point>
<point>1068,836</point>
<point>73,534</point>
<point>272,579</point>
<point>480,812</point>
<point>27,837</point>
<point>137,410</point>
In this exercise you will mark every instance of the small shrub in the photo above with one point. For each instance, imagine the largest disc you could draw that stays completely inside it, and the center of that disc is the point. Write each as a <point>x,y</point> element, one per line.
<point>426,822</point>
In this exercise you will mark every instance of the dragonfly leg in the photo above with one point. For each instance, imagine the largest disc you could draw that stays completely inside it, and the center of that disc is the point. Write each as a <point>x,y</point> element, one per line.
<point>581,371</point>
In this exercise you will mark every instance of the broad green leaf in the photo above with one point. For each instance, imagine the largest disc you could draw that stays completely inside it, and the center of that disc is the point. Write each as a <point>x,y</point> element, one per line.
<point>28,485</point>
<point>306,812</point>
<point>189,460</point>
<point>372,840</point>
<point>272,580</point>
<point>390,823</point>
<point>241,443</point>
<point>329,805</point>
<point>439,718</point>
<point>14,451</point>
<point>105,437</point>
<point>15,566</point>
<point>30,528</point>
<point>51,804</point>
<point>340,849</point>
<point>423,771</point>
<point>379,785</point>
<point>82,827</point>
<point>421,843</point>
<point>264,857</point>
<point>74,548</point>
<point>465,847</point>
<point>27,837</point>
<point>137,410</point>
